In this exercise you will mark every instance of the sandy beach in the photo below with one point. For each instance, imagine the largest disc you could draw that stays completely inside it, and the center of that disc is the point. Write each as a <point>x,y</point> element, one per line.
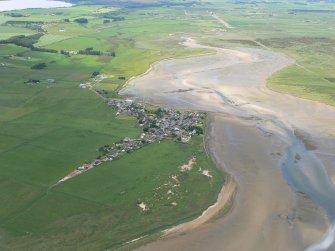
<point>280,149</point>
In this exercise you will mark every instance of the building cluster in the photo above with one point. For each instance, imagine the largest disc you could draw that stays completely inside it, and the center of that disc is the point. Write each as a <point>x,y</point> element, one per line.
<point>108,153</point>
<point>157,125</point>
<point>95,79</point>
<point>161,123</point>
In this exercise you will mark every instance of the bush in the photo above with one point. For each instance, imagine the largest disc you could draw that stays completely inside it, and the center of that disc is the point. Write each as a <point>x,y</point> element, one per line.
<point>32,81</point>
<point>81,20</point>
<point>159,112</point>
<point>90,51</point>
<point>94,74</point>
<point>199,130</point>
<point>15,14</point>
<point>34,25</point>
<point>39,66</point>
<point>28,42</point>
<point>113,16</point>
<point>22,40</point>
<point>33,48</point>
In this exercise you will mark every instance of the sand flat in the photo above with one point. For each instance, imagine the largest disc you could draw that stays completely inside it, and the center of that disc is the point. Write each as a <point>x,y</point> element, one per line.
<point>253,137</point>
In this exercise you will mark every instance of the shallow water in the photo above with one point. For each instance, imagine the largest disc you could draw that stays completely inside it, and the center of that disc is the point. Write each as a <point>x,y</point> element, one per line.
<point>305,173</point>
<point>233,82</point>
<point>25,4</point>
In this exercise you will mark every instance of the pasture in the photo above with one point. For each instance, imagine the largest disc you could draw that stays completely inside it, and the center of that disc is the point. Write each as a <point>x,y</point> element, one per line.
<point>304,31</point>
<point>48,129</point>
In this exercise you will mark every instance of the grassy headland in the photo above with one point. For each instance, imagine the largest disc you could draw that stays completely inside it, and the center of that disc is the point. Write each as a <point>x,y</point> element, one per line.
<point>49,126</point>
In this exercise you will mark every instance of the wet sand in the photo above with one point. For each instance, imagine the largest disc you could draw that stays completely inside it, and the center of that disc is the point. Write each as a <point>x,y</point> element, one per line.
<point>253,136</point>
<point>225,196</point>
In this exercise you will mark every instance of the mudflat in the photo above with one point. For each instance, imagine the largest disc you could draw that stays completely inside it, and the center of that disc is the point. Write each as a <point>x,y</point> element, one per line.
<point>264,205</point>
<point>279,149</point>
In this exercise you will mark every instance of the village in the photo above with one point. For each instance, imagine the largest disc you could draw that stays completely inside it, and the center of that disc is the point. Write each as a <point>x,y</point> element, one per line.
<point>157,124</point>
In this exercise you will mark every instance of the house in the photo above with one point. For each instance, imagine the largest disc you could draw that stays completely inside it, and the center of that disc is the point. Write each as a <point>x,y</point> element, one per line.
<point>51,81</point>
<point>96,162</point>
<point>81,168</point>
<point>73,52</point>
<point>127,139</point>
<point>86,166</point>
<point>185,138</point>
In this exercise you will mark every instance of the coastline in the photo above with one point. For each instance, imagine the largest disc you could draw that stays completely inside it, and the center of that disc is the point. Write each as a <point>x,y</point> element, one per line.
<point>297,232</point>
<point>262,218</point>
<point>220,208</point>
<point>225,196</point>
<point>152,65</point>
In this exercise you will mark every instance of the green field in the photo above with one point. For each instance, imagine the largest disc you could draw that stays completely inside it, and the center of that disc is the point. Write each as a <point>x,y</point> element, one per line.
<point>47,130</point>
<point>301,29</point>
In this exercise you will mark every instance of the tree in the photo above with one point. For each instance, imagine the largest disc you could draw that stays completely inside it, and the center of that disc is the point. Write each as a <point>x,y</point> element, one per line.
<point>199,130</point>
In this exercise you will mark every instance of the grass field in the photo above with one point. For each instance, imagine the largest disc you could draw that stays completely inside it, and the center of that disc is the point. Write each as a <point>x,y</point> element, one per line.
<point>302,30</point>
<point>47,130</point>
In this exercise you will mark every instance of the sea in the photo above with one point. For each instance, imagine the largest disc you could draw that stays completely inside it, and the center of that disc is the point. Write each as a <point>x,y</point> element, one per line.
<point>26,4</point>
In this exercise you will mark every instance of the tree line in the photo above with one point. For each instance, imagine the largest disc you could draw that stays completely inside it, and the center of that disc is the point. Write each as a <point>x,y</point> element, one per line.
<point>29,41</point>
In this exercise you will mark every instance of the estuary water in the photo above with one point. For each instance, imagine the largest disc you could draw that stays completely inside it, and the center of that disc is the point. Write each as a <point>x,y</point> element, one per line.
<point>26,4</point>
<point>255,130</point>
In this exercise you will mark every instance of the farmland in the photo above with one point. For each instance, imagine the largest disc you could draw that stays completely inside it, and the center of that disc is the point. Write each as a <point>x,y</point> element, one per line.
<point>49,126</point>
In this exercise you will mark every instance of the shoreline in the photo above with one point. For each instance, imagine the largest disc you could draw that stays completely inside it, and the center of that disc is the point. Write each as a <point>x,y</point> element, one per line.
<point>224,201</point>
<point>224,197</point>
<point>152,65</point>
<point>245,113</point>
<point>249,211</point>
<point>61,4</point>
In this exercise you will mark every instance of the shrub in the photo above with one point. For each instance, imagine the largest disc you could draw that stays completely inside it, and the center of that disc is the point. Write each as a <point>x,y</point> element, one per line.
<point>39,66</point>
<point>81,20</point>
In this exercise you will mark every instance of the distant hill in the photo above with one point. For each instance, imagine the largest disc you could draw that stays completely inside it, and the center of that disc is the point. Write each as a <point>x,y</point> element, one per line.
<point>321,1</point>
<point>137,3</point>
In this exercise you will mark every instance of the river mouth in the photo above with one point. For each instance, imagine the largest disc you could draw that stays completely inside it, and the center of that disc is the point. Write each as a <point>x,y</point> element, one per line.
<point>232,83</point>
